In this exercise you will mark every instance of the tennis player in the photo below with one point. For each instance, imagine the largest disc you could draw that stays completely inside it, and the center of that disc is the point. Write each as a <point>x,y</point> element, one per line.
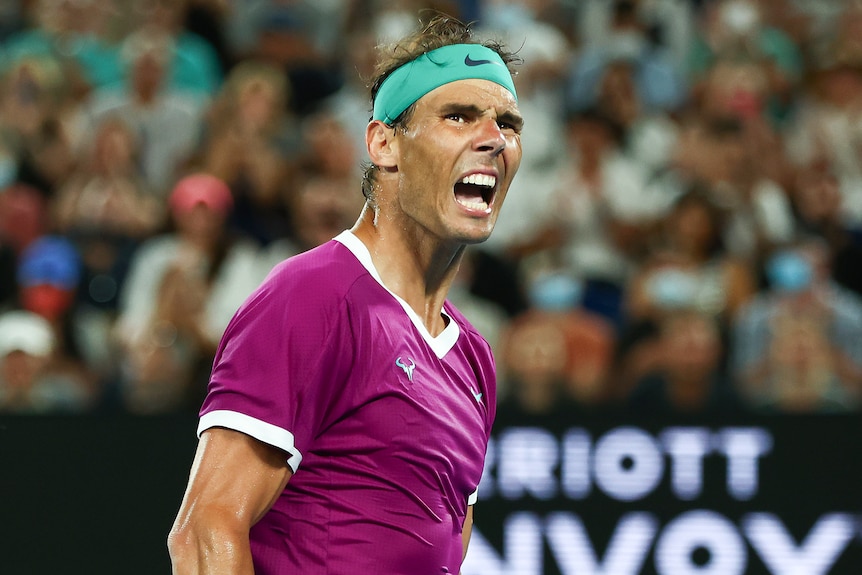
<point>350,404</point>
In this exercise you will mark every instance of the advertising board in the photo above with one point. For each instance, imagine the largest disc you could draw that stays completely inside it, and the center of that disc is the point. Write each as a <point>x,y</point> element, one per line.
<point>612,496</point>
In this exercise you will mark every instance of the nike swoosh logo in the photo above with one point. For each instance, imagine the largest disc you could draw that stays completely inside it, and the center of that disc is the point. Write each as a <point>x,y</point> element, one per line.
<point>471,62</point>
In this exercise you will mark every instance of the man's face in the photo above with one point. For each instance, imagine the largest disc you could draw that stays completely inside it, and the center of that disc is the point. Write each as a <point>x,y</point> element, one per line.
<point>456,160</point>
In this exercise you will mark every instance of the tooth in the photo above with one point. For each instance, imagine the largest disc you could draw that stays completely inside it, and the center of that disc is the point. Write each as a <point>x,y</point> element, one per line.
<point>474,205</point>
<point>480,180</point>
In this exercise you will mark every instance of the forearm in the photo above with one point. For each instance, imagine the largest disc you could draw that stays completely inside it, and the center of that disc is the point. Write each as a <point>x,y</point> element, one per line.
<point>466,532</point>
<point>210,550</point>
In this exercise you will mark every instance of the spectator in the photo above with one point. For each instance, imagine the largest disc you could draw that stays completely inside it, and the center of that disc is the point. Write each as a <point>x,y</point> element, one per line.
<point>668,24</point>
<point>249,142</point>
<point>181,291</point>
<point>819,203</point>
<point>320,208</point>
<point>686,269</point>
<point>797,347</point>
<point>321,200</point>
<point>106,195</point>
<point>36,113</point>
<point>350,102</point>
<point>23,220</point>
<point>659,80</point>
<point>106,210</point>
<point>49,271</point>
<point>730,28</point>
<point>688,378</point>
<point>534,359</point>
<point>76,33</point>
<point>689,268</point>
<point>304,39</point>
<point>726,158</point>
<point>32,381</point>
<point>555,363</point>
<point>167,122</point>
<point>327,148</point>
<point>241,22</point>
<point>591,219</point>
<point>828,126</point>
<point>193,65</point>
<point>48,277</point>
<point>649,137</point>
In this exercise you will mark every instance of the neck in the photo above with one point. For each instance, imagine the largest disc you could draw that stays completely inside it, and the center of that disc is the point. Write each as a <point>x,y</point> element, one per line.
<point>419,270</point>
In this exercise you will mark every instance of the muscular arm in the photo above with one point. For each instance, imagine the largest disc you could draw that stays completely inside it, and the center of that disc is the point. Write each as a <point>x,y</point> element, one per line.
<point>234,480</point>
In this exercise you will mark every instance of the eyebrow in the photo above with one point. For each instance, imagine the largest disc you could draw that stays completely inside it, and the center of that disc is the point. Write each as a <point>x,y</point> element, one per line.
<point>508,117</point>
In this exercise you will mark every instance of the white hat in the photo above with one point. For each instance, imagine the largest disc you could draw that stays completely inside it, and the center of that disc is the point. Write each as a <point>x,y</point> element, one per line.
<point>25,331</point>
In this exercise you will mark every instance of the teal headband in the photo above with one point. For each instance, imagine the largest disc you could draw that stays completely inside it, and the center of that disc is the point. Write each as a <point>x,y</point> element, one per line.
<point>431,70</point>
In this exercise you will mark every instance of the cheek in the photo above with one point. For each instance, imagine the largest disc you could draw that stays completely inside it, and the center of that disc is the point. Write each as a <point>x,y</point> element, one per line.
<point>512,155</point>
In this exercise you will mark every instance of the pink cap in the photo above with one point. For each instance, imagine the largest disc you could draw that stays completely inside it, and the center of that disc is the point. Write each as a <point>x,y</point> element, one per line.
<point>201,189</point>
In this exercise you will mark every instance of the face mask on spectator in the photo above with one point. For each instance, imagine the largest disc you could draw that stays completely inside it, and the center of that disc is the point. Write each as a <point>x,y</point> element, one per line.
<point>672,289</point>
<point>555,292</point>
<point>789,272</point>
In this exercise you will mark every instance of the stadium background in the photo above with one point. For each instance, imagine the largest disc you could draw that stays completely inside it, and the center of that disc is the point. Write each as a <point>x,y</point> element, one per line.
<point>748,110</point>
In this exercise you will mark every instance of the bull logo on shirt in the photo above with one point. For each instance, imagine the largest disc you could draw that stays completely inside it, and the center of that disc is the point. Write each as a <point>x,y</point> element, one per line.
<point>408,369</point>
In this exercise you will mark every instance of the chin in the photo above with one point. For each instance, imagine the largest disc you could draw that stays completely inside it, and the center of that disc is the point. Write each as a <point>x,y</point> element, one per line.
<point>474,238</point>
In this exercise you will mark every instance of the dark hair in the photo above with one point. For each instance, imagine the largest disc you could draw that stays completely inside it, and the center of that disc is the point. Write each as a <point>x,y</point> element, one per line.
<point>441,30</point>
<point>598,116</point>
<point>700,195</point>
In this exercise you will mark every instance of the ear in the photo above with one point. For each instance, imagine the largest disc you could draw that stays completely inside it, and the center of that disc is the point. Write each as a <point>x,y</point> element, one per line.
<point>381,144</point>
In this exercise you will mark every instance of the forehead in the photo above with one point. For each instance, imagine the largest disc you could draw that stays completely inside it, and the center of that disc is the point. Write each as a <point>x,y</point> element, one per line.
<point>484,94</point>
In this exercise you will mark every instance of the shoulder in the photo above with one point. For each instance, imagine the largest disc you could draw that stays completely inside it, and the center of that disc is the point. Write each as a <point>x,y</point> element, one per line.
<point>305,300</point>
<point>320,278</point>
<point>329,265</point>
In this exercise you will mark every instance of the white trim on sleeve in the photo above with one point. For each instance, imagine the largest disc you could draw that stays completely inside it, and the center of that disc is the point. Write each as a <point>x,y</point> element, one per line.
<point>260,430</point>
<point>473,498</point>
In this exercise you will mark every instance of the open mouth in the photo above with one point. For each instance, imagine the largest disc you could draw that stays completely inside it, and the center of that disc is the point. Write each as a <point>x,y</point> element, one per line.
<point>476,192</point>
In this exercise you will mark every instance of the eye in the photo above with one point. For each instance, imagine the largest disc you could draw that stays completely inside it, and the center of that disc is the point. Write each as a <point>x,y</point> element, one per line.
<point>456,117</point>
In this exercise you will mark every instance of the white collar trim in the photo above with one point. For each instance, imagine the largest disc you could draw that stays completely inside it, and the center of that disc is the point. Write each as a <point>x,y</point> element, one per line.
<point>441,344</point>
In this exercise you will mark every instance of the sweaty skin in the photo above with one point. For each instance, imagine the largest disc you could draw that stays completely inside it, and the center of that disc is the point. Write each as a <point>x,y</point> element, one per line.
<point>416,233</point>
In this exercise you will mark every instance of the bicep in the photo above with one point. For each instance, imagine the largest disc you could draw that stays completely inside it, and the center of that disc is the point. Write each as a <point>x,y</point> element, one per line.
<point>236,474</point>
<point>234,480</point>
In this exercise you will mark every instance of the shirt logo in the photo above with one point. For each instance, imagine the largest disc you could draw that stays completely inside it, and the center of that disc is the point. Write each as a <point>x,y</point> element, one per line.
<point>471,62</point>
<point>408,369</point>
<point>477,396</point>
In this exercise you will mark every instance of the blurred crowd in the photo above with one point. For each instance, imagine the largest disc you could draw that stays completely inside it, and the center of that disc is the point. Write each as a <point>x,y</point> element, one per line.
<point>684,236</point>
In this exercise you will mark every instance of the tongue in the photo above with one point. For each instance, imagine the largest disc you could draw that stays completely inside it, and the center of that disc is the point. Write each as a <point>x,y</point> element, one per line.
<point>468,193</point>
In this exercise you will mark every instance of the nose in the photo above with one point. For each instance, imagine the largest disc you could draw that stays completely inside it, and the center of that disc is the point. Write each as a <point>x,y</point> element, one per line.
<point>489,137</point>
